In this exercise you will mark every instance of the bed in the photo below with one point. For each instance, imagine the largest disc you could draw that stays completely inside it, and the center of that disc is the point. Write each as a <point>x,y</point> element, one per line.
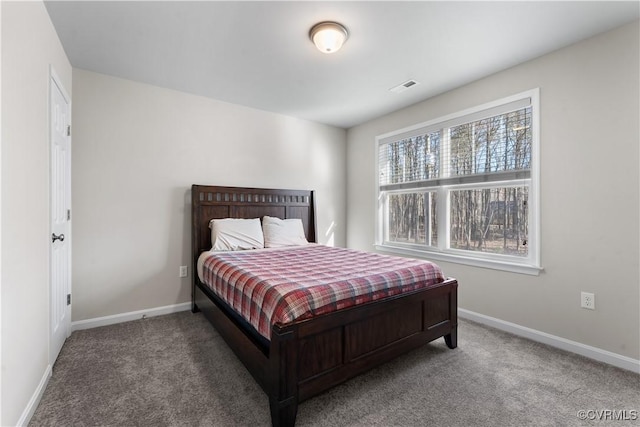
<point>305,357</point>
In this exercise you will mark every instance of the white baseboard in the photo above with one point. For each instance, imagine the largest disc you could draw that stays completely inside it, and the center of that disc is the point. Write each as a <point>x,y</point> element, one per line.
<point>595,353</point>
<point>127,317</point>
<point>35,398</point>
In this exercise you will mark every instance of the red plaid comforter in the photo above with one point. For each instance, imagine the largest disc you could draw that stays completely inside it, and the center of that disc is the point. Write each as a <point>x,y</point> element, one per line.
<point>273,286</point>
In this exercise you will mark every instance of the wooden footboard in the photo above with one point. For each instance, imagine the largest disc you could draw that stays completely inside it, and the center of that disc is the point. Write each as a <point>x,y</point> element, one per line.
<point>311,356</point>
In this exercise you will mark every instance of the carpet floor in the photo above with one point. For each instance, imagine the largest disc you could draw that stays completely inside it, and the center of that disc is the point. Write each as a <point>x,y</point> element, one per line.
<point>176,370</point>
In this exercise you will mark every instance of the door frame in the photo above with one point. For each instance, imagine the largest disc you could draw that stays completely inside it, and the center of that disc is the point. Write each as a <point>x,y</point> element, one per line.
<point>55,79</point>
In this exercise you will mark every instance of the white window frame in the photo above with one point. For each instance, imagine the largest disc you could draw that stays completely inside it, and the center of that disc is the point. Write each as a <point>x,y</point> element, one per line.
<point>525,265</point>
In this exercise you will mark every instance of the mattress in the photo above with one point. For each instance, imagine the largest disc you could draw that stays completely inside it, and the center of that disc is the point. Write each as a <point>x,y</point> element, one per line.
<point>281,285</point>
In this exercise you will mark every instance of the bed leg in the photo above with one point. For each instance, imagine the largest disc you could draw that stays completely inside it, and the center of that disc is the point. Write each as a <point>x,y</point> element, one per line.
<point>194,306</point>
<point>283,414</point>
<point>452,338</point>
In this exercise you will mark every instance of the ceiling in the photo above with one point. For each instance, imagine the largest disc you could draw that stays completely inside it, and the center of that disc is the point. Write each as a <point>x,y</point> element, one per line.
<point>258,54</point>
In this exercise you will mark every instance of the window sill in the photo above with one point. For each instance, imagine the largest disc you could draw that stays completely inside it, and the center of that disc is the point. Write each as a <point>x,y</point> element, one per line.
<point>460,259</point>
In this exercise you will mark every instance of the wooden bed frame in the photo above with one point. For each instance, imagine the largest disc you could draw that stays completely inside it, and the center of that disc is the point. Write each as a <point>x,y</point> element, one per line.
<point>307,357</point>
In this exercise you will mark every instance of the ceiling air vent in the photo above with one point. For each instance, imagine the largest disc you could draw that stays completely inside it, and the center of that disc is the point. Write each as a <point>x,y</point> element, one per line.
<point>404,86</point>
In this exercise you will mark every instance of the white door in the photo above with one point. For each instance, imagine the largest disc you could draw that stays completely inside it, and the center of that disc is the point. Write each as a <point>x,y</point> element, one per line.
<point>60,207</point>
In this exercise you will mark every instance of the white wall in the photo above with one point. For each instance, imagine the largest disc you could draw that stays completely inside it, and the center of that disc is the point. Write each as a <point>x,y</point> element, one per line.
<point>29,45</point>
<point>589,96</point>
<point>137,149</point>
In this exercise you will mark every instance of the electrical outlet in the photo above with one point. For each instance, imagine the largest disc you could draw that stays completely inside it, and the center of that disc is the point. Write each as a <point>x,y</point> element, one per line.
<point>588,300</point>
<point>183,271</point>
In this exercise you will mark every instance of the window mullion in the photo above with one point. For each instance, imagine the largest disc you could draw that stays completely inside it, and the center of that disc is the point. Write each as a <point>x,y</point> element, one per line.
<point>443,218</point>
<point>443,194</point>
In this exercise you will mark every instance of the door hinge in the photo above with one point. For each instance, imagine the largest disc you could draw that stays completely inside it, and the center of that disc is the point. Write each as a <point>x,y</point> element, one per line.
<point>68,130</point>
<point>68,299</point>
<point>68,214</point>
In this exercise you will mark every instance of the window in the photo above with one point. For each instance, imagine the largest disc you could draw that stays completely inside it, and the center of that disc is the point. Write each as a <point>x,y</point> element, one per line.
<point>463,188</point>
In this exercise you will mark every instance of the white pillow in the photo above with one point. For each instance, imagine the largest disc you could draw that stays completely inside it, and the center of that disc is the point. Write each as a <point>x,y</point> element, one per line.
<point>283,232</point>
<point>233,234</point>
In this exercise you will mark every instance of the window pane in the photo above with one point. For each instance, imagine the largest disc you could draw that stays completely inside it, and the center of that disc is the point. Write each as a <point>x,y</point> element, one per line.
<point>412,218</point>
<point>495,144</point>
<point>412,159</point>
<point>492,220</point>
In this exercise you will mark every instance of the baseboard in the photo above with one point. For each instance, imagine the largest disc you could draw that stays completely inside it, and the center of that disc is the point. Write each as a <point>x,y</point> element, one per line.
<point>127,317</point>
<point>35,398</point>
<point>595,353</point>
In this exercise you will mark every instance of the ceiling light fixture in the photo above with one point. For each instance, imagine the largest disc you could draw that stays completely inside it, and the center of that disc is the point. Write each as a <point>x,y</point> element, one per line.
<point>328,36</point>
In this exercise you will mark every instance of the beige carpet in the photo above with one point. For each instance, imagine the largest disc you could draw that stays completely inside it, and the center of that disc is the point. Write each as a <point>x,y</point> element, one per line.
<point>176,370</point>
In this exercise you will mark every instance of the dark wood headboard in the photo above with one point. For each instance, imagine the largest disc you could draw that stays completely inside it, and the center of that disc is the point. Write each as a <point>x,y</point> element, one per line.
<point>214,202</point>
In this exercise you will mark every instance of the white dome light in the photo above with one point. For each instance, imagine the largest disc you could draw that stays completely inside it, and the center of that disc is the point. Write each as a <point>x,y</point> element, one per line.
<point>328,36</point>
